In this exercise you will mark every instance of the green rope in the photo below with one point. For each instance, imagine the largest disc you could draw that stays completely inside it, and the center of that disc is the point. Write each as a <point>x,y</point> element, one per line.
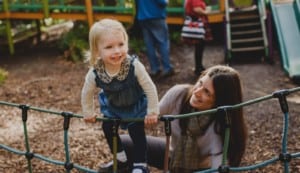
<point>226,146</point>
<point>295,155</point>
<point>115,145</point>
<point>15,151</point>
<point>67,151</point>
<point>24,109</point>
<point>256,166</point>
<point>284,141</point>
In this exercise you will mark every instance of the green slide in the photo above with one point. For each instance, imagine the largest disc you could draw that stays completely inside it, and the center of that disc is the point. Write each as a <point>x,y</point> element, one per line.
<point>287,22</point>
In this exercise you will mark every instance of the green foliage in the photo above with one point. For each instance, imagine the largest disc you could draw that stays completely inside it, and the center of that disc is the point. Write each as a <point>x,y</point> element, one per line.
<point>3,75</point>
<point>242,3</point>
<point>175,36</point>
<point>2,29</point>
<point>75,42</point>
<point>175,3</point>
<point>136,45</point>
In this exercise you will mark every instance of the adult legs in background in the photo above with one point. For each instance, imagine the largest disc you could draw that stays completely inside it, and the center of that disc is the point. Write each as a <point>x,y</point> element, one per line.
<point>150,48</point>
<point>161,34</point>
<point>156,38</point>
<point>198,56</point>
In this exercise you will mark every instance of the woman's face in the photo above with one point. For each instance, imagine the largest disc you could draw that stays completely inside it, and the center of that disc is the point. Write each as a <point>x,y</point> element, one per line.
<point>112,48</point>
<point>203,95</point>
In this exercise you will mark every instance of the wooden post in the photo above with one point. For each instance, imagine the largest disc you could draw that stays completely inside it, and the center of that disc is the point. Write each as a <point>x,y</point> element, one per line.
<point>8,28</point>
<point>46,8</point>
<point>222,5</point>
<point>89,12</point>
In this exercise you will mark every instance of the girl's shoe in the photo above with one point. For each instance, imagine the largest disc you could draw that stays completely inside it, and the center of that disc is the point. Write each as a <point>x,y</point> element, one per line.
<point>154,74</point>
<point>123,167</point>
<point>168,73</point>
<point>140,169</point>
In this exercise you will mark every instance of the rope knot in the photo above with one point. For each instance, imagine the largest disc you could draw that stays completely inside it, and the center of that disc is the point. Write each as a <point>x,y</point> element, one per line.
<point>25,109</point>
<point>223,169</point>
<point>281,95</point>
<point>29,155</point>
<point>285,157</point>
<point>67,116</point>
<point>69,166</point>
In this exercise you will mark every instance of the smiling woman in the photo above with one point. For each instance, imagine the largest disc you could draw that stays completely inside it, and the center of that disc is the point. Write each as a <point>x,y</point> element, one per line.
<point>197,142</point>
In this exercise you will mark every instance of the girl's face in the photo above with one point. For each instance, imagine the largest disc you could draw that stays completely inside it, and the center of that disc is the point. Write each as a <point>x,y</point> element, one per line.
<point>112,48</point>
<point>203,95</point>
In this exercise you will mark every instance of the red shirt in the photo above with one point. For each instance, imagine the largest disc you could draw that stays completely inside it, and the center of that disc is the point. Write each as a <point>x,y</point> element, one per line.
<point>190,4</point>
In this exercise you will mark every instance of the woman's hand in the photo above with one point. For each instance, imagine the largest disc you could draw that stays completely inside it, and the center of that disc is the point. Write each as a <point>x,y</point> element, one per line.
<point>151,119</point>
<point>90,119</point>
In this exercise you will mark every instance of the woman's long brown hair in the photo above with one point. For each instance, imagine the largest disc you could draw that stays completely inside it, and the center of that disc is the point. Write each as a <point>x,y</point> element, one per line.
<point>228,91</point>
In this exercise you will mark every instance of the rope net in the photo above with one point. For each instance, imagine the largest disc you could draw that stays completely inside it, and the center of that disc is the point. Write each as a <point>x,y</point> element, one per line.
<point>68,163</point>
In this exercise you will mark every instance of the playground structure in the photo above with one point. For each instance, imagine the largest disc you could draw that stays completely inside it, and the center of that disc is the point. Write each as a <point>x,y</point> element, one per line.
<point>247,31</point>
<point>288,34</point>
<point>88,10</point>
<point>284,156</point>
<point>36,155</point>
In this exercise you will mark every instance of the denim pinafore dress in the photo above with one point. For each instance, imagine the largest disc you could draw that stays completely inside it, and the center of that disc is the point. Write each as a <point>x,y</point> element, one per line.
<point>121,96</point>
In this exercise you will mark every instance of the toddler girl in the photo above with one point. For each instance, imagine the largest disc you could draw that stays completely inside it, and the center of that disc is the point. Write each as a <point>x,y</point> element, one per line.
<point>126,91</point>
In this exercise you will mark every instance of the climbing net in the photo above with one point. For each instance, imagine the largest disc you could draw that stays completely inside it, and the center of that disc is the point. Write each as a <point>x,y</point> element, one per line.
<point>284,156</point>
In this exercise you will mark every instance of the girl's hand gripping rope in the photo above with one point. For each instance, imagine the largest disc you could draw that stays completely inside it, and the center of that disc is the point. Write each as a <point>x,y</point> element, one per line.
<point>90,119</point>
<point>151,119</point>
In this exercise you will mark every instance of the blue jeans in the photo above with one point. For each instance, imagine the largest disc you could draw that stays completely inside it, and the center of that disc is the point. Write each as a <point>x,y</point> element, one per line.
<point>138,110</point>
<point>156,38</point>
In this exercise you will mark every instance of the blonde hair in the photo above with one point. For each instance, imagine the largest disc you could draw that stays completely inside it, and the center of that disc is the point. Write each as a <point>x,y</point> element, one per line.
<point>99,29</point>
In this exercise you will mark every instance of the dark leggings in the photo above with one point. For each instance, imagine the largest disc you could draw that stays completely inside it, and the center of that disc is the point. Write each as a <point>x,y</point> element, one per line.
<point>199,48</point>
<point>137,134</point>
<point>155,153</point>
<point>155,150</point>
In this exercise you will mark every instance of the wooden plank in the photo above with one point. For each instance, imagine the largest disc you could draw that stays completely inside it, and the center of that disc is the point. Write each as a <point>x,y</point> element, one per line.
<point>89,12</point>
<point>212,18</point>
<point>128,18</point>
<point>175,20</point>
<point>26,15</point>
<point>70,16</point>
<point>3,16</point>
<point>216,18</point>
